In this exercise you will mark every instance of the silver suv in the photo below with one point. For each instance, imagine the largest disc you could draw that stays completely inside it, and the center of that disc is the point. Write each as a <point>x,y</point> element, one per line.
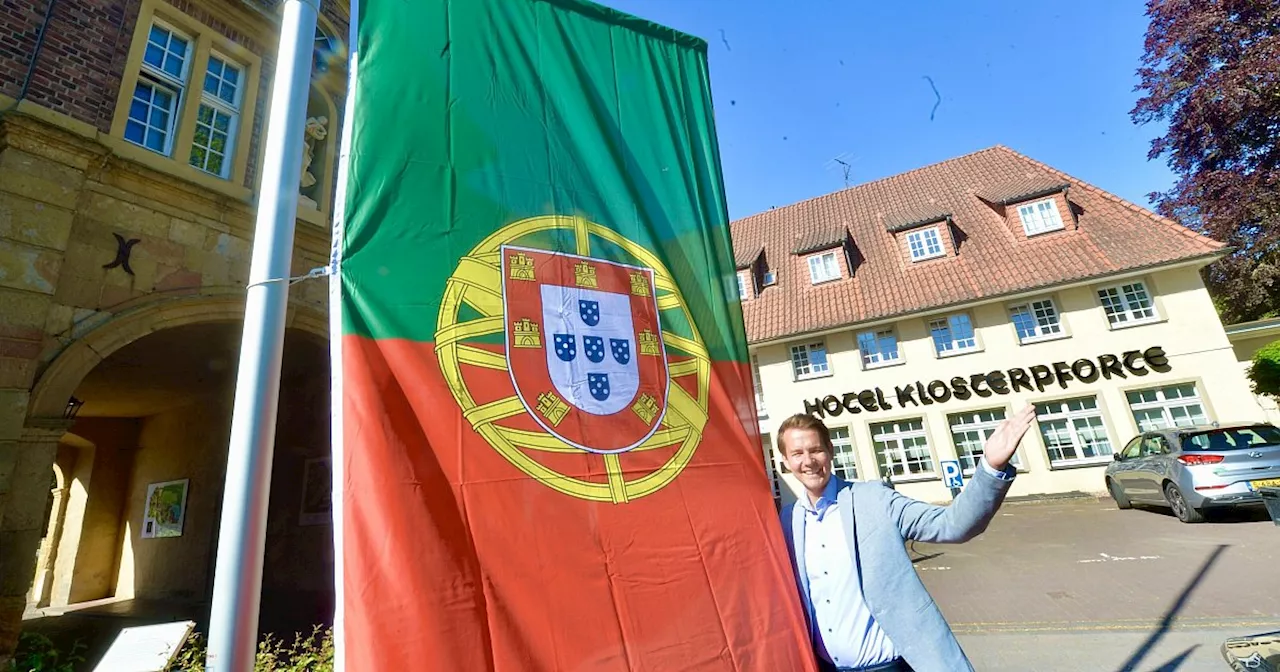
<point>1190,469</point>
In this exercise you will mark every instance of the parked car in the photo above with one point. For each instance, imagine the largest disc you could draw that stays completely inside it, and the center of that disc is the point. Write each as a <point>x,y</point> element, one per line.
<point>1191,469</point>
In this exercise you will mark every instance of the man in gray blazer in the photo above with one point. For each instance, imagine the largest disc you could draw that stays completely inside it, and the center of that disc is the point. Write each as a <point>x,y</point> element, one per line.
<point>866,608</point>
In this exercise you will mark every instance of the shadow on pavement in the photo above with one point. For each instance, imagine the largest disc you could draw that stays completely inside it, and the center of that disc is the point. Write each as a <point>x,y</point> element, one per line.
<point>1177,661</point>
<point>1238,514</point>
<point>1171,615</point>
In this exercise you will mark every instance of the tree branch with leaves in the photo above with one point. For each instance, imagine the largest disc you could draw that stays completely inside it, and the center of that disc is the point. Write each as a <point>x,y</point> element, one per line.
<point>1211,71</point>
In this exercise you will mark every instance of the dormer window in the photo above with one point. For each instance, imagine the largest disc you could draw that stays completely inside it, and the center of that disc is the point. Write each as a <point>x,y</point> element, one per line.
<point>1040,217</point>
<point>748,268</point>
<point>925,244</point>
<point>824,267</point>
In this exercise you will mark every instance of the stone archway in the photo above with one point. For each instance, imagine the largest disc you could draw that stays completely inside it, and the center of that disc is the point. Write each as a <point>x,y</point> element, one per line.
<point>59,380</point>
<point>46,426</point>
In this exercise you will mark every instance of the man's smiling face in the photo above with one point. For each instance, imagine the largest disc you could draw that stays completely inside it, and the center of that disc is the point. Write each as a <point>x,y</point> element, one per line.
<point>808,458</point>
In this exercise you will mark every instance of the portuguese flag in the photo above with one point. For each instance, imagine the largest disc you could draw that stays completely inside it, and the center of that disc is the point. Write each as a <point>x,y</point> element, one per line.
<point>546,451</point>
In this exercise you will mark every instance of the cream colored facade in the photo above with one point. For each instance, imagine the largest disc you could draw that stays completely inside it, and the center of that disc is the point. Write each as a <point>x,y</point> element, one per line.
<point>1186,327</point>
<point>1247,338</point>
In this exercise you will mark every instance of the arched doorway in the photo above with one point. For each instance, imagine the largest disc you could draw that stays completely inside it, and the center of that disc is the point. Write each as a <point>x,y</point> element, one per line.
<point>155,418</point>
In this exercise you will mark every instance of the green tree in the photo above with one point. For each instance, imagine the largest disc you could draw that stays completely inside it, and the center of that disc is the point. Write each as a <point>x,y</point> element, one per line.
<point>1265,371</point>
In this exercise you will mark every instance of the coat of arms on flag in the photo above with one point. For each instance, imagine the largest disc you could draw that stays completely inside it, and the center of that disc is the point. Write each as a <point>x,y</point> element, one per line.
<point>591,367</point>
<point>596,378</point>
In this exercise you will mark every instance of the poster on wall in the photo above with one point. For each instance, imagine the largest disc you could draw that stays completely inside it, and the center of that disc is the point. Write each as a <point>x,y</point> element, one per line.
<point>166,509</point>
<point>317,492</point>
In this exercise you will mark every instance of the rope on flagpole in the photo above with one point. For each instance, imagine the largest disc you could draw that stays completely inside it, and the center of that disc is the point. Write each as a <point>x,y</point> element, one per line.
<point>319,272</point>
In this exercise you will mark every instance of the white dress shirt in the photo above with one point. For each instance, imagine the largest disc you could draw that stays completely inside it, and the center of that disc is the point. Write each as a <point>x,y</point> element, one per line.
<point>844,631</point>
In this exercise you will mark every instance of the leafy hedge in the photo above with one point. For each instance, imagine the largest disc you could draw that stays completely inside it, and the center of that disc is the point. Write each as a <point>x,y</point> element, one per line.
<point>1265,371</point>
<point>307,653</point>
<point>37,653</point>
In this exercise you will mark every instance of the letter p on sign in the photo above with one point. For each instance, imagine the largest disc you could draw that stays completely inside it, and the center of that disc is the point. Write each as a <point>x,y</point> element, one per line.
<point>951,474</point>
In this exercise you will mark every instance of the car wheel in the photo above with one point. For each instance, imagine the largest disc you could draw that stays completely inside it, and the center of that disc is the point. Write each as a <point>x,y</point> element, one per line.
<point>1117,493</point>
<point>1179,504</point>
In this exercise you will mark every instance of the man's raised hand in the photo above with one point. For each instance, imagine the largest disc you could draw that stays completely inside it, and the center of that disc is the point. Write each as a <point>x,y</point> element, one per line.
<point>1000,447</point>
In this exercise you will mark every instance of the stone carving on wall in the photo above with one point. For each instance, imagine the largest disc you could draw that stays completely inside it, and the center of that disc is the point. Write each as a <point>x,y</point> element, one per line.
<point>316,132</point>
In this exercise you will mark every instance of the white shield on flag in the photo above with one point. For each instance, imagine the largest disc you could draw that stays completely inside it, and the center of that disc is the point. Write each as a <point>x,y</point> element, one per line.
<point>585,347</point>
<point>591,363</point>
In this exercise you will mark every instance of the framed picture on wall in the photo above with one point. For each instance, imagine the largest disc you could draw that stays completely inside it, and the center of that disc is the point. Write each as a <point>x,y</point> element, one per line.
<point>317,492</point>
<point>165,509</point>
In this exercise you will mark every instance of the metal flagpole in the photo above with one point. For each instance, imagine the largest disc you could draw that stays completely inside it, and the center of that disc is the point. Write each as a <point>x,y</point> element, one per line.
<point>237,585</point>
<point>337,396</point>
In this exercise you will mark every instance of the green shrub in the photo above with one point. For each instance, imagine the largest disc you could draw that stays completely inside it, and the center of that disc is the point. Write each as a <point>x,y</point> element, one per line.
<point>1265,371</point>
<point>36,653</point>
<point>307,653</point>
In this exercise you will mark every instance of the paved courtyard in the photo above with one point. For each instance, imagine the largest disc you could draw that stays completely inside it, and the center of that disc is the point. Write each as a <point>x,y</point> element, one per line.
<point>1080,585</point>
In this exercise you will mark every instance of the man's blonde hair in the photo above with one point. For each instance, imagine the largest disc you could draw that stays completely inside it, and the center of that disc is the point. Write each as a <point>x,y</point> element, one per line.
<point>803,421</point>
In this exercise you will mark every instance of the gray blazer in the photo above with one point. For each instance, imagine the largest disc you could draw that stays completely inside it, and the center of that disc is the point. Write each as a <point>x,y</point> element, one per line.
<point>893,592</point>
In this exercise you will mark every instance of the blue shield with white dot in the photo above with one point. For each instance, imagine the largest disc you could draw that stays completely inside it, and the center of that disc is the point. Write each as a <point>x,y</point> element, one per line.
<point>594,347</point>
<point>589,311</point>
<point>621,349</point>
<point>566,347</point>
<point>599,385</point>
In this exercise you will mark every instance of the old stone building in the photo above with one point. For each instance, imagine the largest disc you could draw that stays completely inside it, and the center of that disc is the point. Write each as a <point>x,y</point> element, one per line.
<point>130,144</point>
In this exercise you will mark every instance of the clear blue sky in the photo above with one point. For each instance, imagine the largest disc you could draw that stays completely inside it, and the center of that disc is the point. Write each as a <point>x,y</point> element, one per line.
<point>799,85</point>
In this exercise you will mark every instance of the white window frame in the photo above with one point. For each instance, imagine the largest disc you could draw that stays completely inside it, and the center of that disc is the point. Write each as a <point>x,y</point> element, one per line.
<point>1122,307</point>
<point>1038,311</point>
<point>900,431</point>
<point>1169,407</point>
<point>955,346</point>
<point>758,387</point>
<point>923,244</point>
<point>878,358</point>
<point>824,267</point>
<point>970,423</point>
<point>1040,216</point>
<point>802,364</point>
<point>742,286</point>
<point>1058,410</point>
<point>220,105</point>
<point>154,77</point>
<point>844,456</point>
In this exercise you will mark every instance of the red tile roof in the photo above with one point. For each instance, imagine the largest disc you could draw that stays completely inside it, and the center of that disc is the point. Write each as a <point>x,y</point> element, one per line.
<point>994,258</point>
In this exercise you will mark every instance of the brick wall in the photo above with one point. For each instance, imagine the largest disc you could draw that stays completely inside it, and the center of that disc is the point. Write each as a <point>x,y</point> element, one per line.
<point>87,46</point>
<point>20,20</point>
<point>75,72</point>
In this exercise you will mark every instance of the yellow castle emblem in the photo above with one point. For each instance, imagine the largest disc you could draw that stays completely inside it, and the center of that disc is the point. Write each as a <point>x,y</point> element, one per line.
<point>521,267</point>
<point>527,334</point>
<point>552,407</point>
<point>649,344</point>
<point>584,275</point>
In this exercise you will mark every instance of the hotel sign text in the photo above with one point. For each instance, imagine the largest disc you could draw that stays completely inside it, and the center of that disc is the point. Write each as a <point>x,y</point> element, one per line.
<point>1032,379</point>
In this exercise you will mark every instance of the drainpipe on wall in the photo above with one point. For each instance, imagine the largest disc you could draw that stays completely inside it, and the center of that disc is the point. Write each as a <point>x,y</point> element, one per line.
<point>35,57</point>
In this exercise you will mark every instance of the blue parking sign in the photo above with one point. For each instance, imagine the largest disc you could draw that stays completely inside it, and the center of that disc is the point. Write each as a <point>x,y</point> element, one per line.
<point>951,474</point>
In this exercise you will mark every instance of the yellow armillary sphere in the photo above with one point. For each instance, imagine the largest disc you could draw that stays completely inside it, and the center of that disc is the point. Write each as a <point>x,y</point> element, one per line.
<point>590,349</point>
